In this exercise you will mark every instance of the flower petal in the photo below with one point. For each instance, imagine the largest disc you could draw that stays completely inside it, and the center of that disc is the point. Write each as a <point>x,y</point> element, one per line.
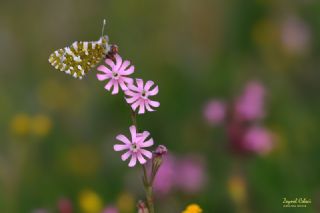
<point>120,147</point>
<point>154,91</point>
<point>144,135</point>
<point>147,143</point>
<point>128,71</point>
<point>141,108</point>
<point>118,62</point>
<point>135,105</point>
<point>123,139</point>
<point>128,80</point>
<point>149,108</point>
<point>102,77</point>
<point>123,85</point>
<point>141,158</point>
<point>148,85</point>
<point>115,88</point>
<point>109,85</point>
<point>124,66</point>
<point>110,63</point>
<point>154,103</point>
<point>130,92</point>
<point>133,131</point>
<point>133,161</point>
<point>132,99</point>
<point>146,153</point>
<point>104,69</point>
<point>140,84</point>
<point>134,88</point>
<point>126,155</point>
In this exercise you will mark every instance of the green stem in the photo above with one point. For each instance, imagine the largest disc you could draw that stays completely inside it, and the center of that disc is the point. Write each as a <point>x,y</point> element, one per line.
<point>134,118</point>
<point>149,196</point>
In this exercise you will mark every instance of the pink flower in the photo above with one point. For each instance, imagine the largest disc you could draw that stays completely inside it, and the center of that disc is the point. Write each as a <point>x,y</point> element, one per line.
<point>214,112</point>
<point>135,146</point>
<point>165,178</point>
<point>142,207</point>
<point>190,174</point>
<point>110,209</point>
<point>295,35</point>
<point>250,104</point>
<point>259,140</point>
<point>139,96</point>
<point>65,205</point>
<point>186,174</point>
<point>116,74</point>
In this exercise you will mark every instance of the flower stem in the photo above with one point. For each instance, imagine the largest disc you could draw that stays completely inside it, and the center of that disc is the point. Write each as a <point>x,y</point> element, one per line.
<point>134,118</point>
<point>146,182</point>
<point>149,196</point>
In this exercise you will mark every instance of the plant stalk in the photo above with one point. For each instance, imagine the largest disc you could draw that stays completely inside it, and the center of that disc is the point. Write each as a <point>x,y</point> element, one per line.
<point>146,182</point>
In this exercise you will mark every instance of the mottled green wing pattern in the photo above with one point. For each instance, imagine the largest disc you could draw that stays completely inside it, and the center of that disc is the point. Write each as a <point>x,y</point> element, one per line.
<point>78,59</point>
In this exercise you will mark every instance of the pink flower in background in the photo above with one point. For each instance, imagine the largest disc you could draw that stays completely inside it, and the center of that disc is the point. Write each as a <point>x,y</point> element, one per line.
<point>190,175</point>
<point>65,205</point>
<point>250,105</point>
<point>185,174</point>
<point>135,146</point>
<point>214,112</point>
<point>295,35</point>
<point>165,179</point>
<point>244,137</point>
<point>139,96</point>
<point>110,209</point>
<point>258,139</point>
<point>117,74</point>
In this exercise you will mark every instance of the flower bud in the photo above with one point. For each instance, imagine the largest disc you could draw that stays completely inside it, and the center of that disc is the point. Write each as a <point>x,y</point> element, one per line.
<point>157,159</point>
<point>142,208</point>
<point>161,150</point>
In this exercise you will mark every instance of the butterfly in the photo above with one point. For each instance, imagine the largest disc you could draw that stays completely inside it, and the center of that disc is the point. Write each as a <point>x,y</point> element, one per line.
<point>79,58</point>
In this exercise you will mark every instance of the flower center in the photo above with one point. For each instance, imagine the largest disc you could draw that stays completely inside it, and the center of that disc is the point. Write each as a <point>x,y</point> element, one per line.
<point>115,75</point>
<point>144,94</point>
<point>134,147</point>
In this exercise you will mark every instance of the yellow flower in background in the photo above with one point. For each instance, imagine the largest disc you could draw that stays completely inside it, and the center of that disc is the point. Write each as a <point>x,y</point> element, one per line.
<point>41,125</point>
<point>237,189</point>
<point>23,124</point>
<point>90,202</point>
<point>20,124</point>
<point>265,33</point>
<point>126,203</point>
<point>193,208</point>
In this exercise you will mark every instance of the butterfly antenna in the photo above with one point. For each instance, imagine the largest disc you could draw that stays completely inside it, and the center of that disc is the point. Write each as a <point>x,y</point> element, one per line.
<point>103,25</point>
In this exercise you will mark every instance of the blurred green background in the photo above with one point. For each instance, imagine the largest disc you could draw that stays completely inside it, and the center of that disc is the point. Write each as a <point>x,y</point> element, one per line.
<point>57,132</point>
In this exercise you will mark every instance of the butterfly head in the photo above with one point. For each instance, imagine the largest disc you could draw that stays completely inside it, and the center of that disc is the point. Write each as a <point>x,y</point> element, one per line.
<point>104,41</point>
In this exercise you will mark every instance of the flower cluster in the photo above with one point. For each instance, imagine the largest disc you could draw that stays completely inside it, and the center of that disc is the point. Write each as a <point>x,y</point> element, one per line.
<point>138,94</point>
<point>242,120</point>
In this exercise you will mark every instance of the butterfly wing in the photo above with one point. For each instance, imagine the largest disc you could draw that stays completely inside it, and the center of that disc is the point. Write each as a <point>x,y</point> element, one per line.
<point>78,59</point>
